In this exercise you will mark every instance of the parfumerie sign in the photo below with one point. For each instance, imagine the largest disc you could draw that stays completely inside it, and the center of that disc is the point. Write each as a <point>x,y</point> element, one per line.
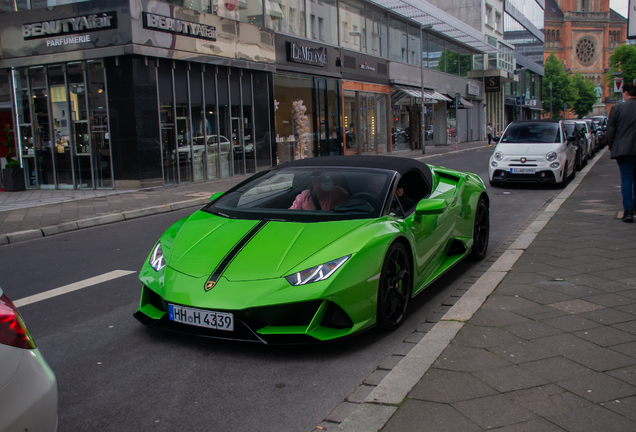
<point>303,54</point>
<point>177,26</point>
<point>67,27</point>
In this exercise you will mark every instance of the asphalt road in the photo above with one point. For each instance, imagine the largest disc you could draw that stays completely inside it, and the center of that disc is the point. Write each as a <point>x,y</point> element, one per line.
<point>114,374</point>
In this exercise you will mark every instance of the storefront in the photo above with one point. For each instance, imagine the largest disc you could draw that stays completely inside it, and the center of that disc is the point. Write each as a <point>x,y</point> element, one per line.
<point>306,100</point>
<point>105,95</point>
<point>366,103</point>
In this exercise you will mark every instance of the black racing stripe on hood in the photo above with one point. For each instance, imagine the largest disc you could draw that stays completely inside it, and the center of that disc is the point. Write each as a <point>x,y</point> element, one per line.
<point>227,260</point>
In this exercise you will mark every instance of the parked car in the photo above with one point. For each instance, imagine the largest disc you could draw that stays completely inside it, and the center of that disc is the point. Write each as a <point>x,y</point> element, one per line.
<point>249,267</point>
<point>533,151</point>
<point>589,135</point>
<point>601,124</point>
<point>594,129</point>
<point>572,129</point>
<point>28,387</point>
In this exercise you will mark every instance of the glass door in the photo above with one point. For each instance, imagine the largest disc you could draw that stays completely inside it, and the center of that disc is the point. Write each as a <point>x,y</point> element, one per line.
<point>99,129</point>
<point>79,125</point>
<point>45,158</point>
<point>166,119</point>
<point>23,113</point>
<point>61,127</point>
<point>224,143</point>
<point>350,114</point>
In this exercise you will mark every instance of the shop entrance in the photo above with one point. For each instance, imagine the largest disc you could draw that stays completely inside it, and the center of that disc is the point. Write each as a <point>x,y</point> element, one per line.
<point>61,112</point>
<point>366,122</point>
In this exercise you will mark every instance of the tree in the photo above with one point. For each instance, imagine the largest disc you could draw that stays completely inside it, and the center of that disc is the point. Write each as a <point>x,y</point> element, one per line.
<point>623,61</point>
<point>562,89</point>
<point>582,106</point>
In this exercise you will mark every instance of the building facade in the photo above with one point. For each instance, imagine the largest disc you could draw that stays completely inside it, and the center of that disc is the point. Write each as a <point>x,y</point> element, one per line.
<point>131,94</point>
<point>583,35</point>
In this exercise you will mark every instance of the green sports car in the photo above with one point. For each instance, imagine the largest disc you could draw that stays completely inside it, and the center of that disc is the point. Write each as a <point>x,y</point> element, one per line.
<point>314,250</point>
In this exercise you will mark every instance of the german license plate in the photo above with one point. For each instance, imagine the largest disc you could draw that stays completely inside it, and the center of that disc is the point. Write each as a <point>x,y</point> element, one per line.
<point>522,170</point>
<point>201,318</point>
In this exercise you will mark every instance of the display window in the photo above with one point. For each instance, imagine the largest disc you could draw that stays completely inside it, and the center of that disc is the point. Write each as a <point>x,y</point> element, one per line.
<point>62,125</point>
<point>306,117</point>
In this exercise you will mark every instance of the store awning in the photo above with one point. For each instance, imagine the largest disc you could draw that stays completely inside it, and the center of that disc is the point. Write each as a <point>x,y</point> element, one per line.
<point>462,102</point>
<point>431,95</point>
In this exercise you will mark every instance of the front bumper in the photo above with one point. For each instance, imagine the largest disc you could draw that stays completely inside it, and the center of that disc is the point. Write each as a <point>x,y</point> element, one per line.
<point>292,323</point>
<point>503,176</point>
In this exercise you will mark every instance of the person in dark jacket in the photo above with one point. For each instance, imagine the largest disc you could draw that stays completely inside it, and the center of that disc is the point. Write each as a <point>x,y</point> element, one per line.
<point>621,139</point>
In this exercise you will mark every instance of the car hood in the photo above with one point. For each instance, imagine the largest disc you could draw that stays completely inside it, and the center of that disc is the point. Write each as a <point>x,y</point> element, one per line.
<point>207,240</point>
<point>533,149</point>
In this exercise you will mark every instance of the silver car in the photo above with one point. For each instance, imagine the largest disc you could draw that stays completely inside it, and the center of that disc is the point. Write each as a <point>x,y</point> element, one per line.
<point>28,388</point>
<point>537,151</point>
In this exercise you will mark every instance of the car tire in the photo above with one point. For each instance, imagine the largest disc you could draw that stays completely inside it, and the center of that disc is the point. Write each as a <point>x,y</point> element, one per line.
<point>395,287</point>
<point>481,231</point>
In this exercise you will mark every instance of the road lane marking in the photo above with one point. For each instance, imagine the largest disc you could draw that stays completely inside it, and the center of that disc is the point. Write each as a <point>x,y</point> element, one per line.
<point>72,287</point>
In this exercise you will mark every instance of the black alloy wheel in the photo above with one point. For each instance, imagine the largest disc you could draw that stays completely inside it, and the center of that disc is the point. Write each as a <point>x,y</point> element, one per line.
<point>481,231</point>
<point>396,284</point>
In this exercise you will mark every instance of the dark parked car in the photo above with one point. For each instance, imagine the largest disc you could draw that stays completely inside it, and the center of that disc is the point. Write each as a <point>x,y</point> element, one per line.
<point>578,137</point>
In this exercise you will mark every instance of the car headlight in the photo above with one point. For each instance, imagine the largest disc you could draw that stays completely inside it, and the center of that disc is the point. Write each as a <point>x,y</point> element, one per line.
<point>551,156</point>
<point>318,273</point>
<point>499,156</point>
<point>157,261</point>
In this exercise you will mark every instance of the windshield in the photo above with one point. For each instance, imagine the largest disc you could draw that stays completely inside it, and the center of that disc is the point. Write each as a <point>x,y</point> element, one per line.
<point>524,133</point>
<point>308,194</point>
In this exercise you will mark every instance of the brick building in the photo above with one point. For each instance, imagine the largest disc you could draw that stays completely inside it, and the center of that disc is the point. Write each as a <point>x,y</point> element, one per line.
<point>583,34</point>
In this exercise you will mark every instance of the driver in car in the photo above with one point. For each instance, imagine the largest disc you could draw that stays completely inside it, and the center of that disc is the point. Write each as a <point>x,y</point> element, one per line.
<point>324,195</point>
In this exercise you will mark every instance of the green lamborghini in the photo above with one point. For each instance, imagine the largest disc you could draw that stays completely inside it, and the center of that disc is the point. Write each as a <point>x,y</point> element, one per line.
<point>314,250</point>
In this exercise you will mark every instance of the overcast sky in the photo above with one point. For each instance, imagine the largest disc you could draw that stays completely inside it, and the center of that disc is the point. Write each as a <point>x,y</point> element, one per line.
<point>620,6</point>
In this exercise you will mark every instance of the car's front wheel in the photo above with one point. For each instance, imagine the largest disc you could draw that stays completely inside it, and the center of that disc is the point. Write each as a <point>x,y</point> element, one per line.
<point>394,291</point>
<point>481,231</point>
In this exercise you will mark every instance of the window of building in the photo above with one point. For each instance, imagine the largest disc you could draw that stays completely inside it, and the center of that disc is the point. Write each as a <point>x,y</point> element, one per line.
<point>451,57</point>
<point>292,19</point>
<point>435,49</point>
<point>498,22</point>
<point>377,33</point>
<point>488,15</point>
<point>353,28</point>
<point>465,62</point>
<point>415,46</point>
<point>398,38</point>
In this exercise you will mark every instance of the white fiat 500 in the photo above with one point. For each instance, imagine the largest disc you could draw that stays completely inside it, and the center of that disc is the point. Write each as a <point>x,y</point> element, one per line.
<point>536,151</point>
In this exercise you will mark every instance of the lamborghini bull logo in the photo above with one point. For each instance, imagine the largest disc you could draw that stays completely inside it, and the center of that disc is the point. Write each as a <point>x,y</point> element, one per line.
<point>209,285</point>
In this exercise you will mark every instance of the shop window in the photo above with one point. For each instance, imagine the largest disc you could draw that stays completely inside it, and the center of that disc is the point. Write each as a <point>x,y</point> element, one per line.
<point>262,106</point>
<point>293,117</point>
<point>42,128</point>
<point>183,154</point>
<point>199,127</point>
<point>166,117</point>
<point>99,126</point>
<point>212,139</point>
<point>225,136</point>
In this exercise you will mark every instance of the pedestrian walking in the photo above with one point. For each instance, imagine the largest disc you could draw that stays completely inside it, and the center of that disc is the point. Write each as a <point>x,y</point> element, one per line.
<point>621,139</point>
<point>489,133</point>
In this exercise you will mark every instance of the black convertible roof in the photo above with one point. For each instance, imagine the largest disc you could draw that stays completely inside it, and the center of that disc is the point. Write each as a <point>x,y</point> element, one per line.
<point>393,163</point>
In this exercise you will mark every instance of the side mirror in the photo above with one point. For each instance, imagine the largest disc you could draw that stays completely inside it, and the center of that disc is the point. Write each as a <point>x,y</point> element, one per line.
<point>431,207</point>
<point>215,196</point>
<point>496,139</point>
<point>571,138</point>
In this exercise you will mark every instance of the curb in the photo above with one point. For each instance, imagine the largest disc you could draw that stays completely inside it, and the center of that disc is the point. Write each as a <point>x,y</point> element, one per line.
<point>65,227</point>
<point>384,400</point>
